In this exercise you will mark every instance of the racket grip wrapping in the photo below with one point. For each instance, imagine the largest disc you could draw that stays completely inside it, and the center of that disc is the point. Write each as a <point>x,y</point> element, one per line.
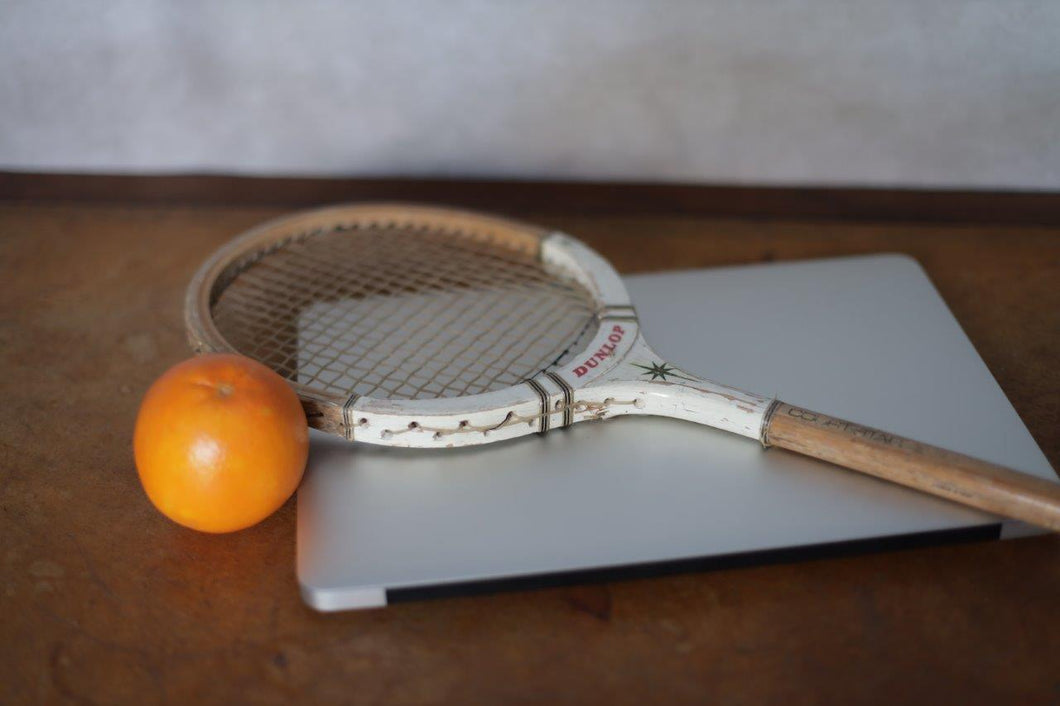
<point>927,468</point>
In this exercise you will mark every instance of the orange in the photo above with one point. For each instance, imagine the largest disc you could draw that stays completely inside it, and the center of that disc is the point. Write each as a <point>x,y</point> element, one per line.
<point>220,442</point>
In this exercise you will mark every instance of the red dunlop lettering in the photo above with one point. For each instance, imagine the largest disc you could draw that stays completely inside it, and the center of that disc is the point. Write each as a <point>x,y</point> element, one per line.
<point>603,352</point>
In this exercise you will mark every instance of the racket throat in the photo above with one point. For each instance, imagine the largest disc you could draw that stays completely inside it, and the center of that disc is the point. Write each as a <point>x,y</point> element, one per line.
<point>643,382</point>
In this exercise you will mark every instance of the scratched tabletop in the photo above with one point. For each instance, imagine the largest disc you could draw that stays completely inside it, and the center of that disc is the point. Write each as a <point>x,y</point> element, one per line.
<point>103,600</point>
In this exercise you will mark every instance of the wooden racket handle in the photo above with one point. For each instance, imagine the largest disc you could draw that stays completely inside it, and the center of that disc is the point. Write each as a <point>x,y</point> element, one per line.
<point>948,474</point>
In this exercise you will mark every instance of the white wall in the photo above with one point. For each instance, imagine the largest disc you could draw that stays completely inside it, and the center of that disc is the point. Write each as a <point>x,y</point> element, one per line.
<point>911,92</point>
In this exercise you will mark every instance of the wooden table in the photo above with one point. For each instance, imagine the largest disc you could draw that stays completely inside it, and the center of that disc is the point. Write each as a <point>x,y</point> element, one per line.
<point>106,601</point>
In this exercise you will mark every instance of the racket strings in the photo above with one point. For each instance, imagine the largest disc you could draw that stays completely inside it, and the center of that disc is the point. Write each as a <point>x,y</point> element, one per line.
<point>401,312</point>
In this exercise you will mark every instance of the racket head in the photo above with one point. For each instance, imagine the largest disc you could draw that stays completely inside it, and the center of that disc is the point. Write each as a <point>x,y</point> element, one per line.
<point>414,325</point>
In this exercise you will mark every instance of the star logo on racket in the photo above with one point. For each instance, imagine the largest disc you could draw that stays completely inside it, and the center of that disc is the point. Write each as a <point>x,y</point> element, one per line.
<point>660,371</point>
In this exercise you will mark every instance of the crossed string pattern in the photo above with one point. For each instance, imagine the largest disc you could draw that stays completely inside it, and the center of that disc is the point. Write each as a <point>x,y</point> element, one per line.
<point>401,312</point>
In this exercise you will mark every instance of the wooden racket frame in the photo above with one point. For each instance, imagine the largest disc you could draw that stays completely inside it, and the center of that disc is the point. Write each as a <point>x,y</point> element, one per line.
<point>558,397</point>
<point>617,373</point>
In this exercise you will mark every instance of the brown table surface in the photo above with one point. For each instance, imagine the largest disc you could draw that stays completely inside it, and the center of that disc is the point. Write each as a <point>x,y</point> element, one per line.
<point>106,601</point>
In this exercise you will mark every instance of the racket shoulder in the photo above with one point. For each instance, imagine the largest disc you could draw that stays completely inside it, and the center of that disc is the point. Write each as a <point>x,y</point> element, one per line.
<point>575,259</point>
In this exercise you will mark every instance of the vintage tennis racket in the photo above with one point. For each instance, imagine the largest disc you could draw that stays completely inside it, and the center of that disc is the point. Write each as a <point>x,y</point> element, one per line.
<point>433,328</point>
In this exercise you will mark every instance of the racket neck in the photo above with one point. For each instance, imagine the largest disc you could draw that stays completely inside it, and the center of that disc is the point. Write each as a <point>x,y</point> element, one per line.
<point>644,382</point>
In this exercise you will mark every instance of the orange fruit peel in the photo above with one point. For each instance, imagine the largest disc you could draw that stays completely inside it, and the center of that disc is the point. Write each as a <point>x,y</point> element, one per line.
<point>220,443</point>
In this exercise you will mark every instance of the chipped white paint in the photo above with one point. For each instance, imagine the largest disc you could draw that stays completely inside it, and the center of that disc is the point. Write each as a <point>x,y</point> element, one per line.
<point>577,260</point>
<point>660,389</point>
<point>440,423</point>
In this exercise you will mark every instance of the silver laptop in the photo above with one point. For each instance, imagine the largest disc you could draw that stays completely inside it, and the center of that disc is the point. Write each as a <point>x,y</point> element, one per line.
<point>865,338</point>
